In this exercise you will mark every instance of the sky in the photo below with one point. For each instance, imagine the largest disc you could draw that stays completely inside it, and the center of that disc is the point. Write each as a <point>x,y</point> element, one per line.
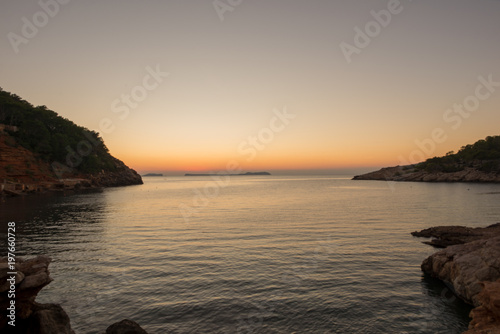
<point>319,85</point>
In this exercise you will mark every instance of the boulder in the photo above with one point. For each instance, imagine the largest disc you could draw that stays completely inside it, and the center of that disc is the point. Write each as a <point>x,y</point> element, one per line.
<point>31,276</point>
<point>48,319</point>
<point>471,268</point>
<point>125,327</point>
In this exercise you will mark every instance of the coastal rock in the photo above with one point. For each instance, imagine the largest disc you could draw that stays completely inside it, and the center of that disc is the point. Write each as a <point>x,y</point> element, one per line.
<point>486,318</point>
<point>445,236</point>
<point>121,176</point>
<point>48,319</point>
<point>31,276</point>
<point>471,267</point>
<point>32,317</point>
<point>23,172</point>
<point>125,327</point>
<point>409,173</point>
<point>465,266</point>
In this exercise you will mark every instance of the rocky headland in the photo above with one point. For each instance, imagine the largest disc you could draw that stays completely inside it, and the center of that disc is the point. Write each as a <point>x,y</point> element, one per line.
<point>479,162</point>
<point>470,265</point>
<point>412,173</point>
<point>23,172</point>
<point>42,151</point>
<point>30,317</point>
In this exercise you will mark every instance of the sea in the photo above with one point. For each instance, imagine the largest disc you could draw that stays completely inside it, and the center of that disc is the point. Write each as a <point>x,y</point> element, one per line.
<point>250,254</point>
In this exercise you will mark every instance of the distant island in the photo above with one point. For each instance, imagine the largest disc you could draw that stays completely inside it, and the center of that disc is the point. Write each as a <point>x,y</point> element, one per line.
<point>241,174</point>
<point>479,162</point>
<point>152,174</point>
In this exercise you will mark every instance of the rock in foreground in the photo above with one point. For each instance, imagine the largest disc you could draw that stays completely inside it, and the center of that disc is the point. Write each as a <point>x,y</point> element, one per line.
<point>471,267</point>
<point>125,327</point>
<point>30,317</point>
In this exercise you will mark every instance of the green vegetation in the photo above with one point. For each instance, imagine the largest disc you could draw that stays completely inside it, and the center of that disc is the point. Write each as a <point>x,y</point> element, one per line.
<point>483,155</point>
<point>52,137</point>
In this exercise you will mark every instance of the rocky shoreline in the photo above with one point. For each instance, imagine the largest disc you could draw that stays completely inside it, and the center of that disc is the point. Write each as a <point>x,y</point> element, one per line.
<point>31,317</point>
<point>470,265</point>
<point>24,172</point>
<point>410,173</point>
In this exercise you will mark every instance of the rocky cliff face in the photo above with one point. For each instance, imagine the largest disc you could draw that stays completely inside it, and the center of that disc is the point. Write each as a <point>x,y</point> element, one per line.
<point>409,173</point>
<point>22,171</point>
<point>20,164</point>
<point>122,176</point>
<point>471,266</point>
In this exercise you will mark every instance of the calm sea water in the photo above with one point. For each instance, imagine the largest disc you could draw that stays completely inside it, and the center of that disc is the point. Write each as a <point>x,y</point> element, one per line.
<point>270,254</point>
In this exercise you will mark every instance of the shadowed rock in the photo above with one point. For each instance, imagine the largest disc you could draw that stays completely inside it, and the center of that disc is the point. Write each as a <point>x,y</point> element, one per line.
<point>445,236</point>
<point>471,267</point>
<point>125,327</point>
<point>409,174</point>
<point>34,318</point>
<point>32,276</point>
<point>486,318</point>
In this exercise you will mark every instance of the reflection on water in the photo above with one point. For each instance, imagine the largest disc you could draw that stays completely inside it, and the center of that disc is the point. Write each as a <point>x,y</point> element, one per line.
<point>266,255</point>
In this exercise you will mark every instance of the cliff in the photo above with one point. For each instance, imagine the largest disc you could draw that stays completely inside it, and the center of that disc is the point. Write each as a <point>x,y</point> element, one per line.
<point>40,150</point>
<point>479,162</point>
<point>470,265</point>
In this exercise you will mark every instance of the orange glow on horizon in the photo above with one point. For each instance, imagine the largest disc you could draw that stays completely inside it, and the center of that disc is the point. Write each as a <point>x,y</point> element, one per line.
<point>193,164</point>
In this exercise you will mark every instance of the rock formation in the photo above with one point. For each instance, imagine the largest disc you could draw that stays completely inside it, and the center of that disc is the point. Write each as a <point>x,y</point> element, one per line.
<point>471,267</point>
<point>22,172</point>
<point>122,176</point>
<point>30,316</point>
<point>479,162</point>
<point>125,327</point>
<point>409,173</point>
<point>445,236</point>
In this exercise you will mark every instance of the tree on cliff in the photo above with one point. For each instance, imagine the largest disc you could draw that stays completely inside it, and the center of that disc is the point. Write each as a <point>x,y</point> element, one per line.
<point>483,155</point>
<point>51,136</point>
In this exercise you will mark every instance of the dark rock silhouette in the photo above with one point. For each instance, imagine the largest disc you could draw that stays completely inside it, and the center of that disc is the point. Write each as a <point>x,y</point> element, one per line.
<point>32,317</point>
<point>479,162</point>
<point>471,267</point>
<point>125,327</point>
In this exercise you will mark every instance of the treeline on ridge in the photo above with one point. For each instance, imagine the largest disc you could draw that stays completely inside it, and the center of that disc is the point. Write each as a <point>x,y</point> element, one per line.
<point>483,155</point>
<point>53,137</point>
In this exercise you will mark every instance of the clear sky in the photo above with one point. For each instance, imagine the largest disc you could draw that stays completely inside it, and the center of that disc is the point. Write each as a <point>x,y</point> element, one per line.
<point>264,84</point>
